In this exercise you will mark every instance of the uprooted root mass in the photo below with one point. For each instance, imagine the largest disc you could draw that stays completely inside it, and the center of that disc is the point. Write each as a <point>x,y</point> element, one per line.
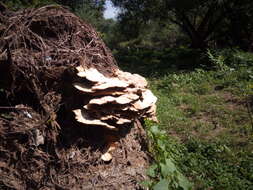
<point>41,147</point>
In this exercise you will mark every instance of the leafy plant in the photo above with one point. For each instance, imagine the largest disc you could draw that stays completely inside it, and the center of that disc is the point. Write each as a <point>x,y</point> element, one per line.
<point>164,173</point>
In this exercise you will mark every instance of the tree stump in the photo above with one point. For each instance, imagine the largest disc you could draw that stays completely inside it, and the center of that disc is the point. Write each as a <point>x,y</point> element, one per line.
<point>65,104</point>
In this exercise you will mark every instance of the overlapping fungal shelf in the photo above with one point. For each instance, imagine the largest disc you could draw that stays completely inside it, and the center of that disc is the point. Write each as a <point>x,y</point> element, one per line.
<point>115,101</point>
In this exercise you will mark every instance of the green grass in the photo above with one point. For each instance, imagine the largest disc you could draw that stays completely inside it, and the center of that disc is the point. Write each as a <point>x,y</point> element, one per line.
<point>213,125</point>
<point>205,132</point>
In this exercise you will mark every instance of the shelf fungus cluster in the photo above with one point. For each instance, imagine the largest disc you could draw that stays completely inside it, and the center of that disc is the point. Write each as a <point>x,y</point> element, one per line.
<point>115,101</point>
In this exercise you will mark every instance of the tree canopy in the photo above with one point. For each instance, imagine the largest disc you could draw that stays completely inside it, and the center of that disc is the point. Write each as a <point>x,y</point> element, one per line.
<point>204,22</point>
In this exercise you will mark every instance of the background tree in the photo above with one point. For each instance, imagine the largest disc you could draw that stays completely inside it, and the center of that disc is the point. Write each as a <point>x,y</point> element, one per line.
<point>203,21</point>
<point>90,10</point>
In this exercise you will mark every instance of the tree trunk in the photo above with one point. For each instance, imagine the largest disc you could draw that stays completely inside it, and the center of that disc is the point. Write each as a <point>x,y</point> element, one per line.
<point>197,42</point>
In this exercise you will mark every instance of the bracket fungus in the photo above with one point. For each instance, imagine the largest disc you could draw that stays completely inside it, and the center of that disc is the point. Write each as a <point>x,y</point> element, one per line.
<point>115,101</point>
<point>129,96</point>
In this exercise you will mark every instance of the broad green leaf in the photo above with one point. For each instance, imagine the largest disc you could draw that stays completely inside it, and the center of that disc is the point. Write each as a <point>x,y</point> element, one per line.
<point>151,170</point>
<point>170,164</point>
<point>184,183</point>
<point>168,168</point>
<point>161,144</point>
<point>155,130</point>
<point>165,170</point>
<point>162,185</point>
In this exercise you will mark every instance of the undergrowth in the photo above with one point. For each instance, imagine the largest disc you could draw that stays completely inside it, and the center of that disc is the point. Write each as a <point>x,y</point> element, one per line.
<point>204,137</point>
